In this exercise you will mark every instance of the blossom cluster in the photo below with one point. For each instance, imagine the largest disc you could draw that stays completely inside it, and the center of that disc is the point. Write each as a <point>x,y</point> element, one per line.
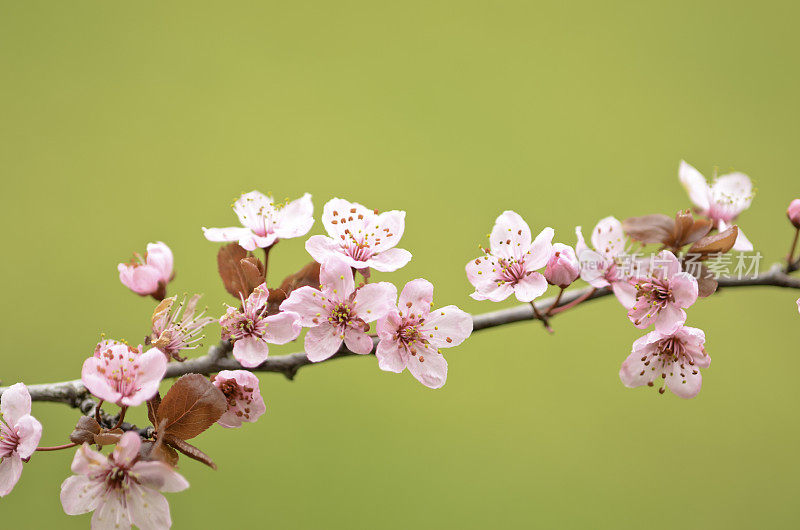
<point>343,311</point>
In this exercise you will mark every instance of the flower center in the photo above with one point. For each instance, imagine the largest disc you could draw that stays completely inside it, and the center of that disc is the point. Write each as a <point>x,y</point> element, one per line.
<point>340,314</point>
<point>511,270</point>
<point>9,439</point>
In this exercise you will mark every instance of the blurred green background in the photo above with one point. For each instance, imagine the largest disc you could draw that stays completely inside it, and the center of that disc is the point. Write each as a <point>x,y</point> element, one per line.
<point>124,123</point>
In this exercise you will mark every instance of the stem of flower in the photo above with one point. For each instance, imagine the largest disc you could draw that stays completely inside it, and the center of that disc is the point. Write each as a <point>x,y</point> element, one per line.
<point>57,447</point>
<point>266,259</point>
<point>97,412</point>
<point>543,318</point>
<point>575,302</point>
<point>121,418</point>
<point>555,302</point>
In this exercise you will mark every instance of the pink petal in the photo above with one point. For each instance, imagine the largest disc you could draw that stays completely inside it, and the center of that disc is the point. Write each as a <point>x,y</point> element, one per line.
<point>511,236</point>
<point>540,250</point>
<point>15,403</point>
<point>593,268</point>
<point>87,460</point>
<point>684,289</point>
<point>152,367</point>
<point>251,209</point>
<point>447,327</point>
<point>296,218</point>
<point>159,476</point>
<point>282,328</point>
<point>684,382</point>
<point>233,233</point>
<point>357,341</point>
<point>307,303</point>
<point>336,278</point>
<point>322,341</point>
<point>580,244</point>
<point>30,432</point>
<point>148,509</point>
<point>160,257</point>
<point>127,449</point>
<point>80,494</point>
<point>142,279</point>
<point>374,300</point>
<point>667,263</point>
<point>608,237</point>
<point>416,298</point>
<point>96,383</point>
<point>428,366</point>
<point>742,244</point>
<point>669,319</point>
<point>111,513</point>
<point>625,293</point>
<point>734,191</point>
<point>10,471</point>
<point>392,356</point>
<point>342,209</point>
<point>257,298</point>
<point>250,351</point>
<point>634,373</point>
<point>695,184</point>
<point>530,287</point>
<point>388,325</point>
<point>392,225</point>
<point>389,260</point>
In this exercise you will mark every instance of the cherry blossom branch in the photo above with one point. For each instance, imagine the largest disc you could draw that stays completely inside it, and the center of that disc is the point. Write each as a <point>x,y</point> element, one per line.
<point>73,393</point>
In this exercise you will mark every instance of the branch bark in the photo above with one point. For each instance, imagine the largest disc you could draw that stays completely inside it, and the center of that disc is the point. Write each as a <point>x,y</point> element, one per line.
<point>74,394</point>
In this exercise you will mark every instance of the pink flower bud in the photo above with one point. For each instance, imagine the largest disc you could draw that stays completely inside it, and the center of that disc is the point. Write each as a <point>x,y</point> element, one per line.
<point>793,212</point>
<point>562,267</point>
<point>149,275</point>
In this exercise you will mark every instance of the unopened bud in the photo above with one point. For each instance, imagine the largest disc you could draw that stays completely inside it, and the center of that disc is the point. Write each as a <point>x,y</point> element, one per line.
<point>563,267</point>
<point>793,213</point>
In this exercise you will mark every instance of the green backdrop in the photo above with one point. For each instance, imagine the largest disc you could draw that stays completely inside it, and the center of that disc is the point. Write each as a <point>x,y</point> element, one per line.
<point>129,122</point>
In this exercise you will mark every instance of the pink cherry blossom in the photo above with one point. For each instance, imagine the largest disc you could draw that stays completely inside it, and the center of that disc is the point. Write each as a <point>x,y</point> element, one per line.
<point>174,332</point>
<point>411,335</point>
<point>360,237</point>
<point>676,358</point>
<point>264,222</point>
<point>338,312</point>
<point>793,212</point>
<point>603,266</point>
<point>252,330</point>
<point>120,374</point>
<point>722,201</point>
<point>510,265</point>
<point>150,275</point>
<point>244,398</point>
<point>19,435</point>
<point>563,267</point>
<point>662,296</point>
<point>120,489</point>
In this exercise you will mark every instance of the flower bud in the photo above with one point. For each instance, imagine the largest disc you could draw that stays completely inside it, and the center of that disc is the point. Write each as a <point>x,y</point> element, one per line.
<point>562,267</point>
<point>793,212</point>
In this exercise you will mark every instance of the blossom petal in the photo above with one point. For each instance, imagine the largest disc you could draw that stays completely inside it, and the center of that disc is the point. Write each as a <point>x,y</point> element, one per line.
<point>251,208</point>
<point>684,381</point>
<point>447,327</point>
<point>127,450</point>
<point>148,509</point>
<point>608,238</point>
<point>159,476</point>
<point>357,341</point>
<point>669,319</point>
<point>634,372</point>
<point>742,244</point>
<point>96,383</point>
<point>80,494</point>
<point>15,403</point>
<point>416,298</point>
<point>428,366</point>
<point>734,191</point>
<point>160,257</point>
<point>625,293</point>
<point>111,513</point>
<point>10,471</point>
<point>30,433</point>
<point>152,367</point>
<point>336,278</point>
<point>322,342</point>
<point>530,287</point>
<point>684,289</point>
<point>392,225</point>
<point>511,236</point>
<point>392,356</point>
<point>695,184</point>
<point>250,351</point>
<point>322,248</point>
<point>306,302</point>
<point>282,328</point>
<point>374,300</point>
<point>540,250</point>
<point>233,233</point>
<point>389,260</point>
<point>296,218</point>
<point>87,460</point>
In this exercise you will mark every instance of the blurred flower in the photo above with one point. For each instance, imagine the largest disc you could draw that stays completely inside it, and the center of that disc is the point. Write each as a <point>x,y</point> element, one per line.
<point>244,398</point>
<point>120,489</point>
<point>411,334</point>
<point>150,275</point>
<point>173,332</point>
<point>662,295</point>
<point>674,357</point>
<point>793,213</point>
<point>563,267</point>
<point>601,267</point>
<point>338,312</point>
<point>722,201</point>
<point>251,330</point>
<point>360,237</point>
<point>264,222</point>
<point>673,233</point>
<point>509,265</point>
<point>19,435</point>
<point>123,375</point>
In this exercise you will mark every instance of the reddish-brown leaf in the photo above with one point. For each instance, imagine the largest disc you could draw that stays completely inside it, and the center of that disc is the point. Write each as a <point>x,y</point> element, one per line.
<point>718,243</point>
<point>240,271</point>
<point>152,407</point>
<point>307,276</point>
<point>189,450</point>
<point>654,228</point>
<point>191,406</point>
<point>85,430</point>
<point>109,437</point>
